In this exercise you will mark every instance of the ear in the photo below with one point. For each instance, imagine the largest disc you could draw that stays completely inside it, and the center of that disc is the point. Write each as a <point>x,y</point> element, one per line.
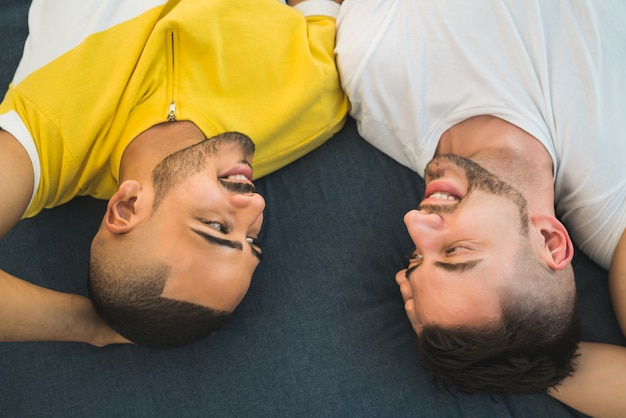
<point>556,249</point>
<point>121,215</point>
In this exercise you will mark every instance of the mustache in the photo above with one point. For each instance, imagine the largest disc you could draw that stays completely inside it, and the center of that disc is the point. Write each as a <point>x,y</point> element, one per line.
<point>436,209</point>
<point>237,187</point>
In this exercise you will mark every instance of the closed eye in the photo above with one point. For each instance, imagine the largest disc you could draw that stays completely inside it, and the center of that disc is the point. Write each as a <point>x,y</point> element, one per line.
<point>451,267</point>
<point>457,249</point>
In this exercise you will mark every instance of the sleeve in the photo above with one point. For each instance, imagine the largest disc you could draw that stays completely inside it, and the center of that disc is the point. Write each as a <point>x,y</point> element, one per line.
<point>56,26</point>
<point>318,8</point>
<point>322,29</point>
<point>314,106</point>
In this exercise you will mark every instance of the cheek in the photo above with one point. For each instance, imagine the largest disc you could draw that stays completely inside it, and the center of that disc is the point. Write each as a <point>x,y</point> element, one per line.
<point>491,213</point>
<point>199,188</point>
<point>232,281</point>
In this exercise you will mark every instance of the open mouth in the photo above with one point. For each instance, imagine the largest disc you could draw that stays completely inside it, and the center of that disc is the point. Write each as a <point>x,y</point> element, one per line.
<point>238,179</point>
<point>241,173</point>
<point>444,196</point>
<point>443,192</point>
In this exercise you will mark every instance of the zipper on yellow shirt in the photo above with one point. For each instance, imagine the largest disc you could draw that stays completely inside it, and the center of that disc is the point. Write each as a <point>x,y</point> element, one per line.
<point>172,74</point>
<point>171,114</point>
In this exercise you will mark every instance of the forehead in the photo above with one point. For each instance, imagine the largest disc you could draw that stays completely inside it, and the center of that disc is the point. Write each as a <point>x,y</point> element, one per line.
<point>203,271</point>
<point>448,295</point>
<point>449,298</point>
<point>207,274</point>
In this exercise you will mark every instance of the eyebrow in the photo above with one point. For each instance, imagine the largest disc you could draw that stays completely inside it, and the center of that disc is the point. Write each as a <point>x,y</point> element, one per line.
<point>458,267</point>
<point>452,267</point>
<point>226,242</point>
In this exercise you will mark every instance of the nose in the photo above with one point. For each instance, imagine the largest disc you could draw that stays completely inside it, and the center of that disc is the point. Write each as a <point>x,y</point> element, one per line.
<point>422,225</point>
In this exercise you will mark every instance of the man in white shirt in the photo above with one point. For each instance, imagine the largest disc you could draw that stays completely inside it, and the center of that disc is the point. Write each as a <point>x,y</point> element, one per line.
<point>528,98</point>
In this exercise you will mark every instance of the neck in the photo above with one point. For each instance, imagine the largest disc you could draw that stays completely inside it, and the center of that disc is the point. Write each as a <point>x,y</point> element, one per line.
<point>508,152</point>
<point>153,145</point>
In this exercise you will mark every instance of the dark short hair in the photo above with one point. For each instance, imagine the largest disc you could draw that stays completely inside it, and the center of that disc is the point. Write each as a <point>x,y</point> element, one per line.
<point>133,306</point>
<point>530,350</point>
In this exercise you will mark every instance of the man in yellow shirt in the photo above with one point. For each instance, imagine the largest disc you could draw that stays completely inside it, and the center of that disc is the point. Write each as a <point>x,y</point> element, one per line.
<point>118,103</point>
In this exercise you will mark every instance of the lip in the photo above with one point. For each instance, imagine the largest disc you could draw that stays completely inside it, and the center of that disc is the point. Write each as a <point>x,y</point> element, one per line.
<point>444,186</point>
<point>240,169</point>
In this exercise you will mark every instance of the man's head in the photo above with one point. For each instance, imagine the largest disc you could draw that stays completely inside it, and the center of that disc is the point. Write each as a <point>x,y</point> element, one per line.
<point>173,258</point>
<point>489,289</point>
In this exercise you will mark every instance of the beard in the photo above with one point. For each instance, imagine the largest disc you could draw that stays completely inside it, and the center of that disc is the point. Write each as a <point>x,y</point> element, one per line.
<point>177,167</point>
<point>478,178</point>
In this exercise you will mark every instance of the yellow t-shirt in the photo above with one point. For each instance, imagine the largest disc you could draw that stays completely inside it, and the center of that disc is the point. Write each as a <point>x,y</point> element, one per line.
<point>254,66</point>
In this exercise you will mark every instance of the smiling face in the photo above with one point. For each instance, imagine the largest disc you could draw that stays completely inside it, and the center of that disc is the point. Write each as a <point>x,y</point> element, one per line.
<point>199,218</point>
<point>467,232</point>
<point>206,220</point>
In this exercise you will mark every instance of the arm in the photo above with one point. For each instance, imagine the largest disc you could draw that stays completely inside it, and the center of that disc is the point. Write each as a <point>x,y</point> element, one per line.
<point>33,313</point>
<point>617,281</point>
<point>17,181</point>
<point>29,312</point>
<point>597,387</point>
<point>310,76</point>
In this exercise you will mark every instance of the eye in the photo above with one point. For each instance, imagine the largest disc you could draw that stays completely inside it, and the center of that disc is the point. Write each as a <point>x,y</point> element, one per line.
<point>217,226</point>
<point>255,245</point>
<point>254,242</point>
<point>457,249</point>
<point>415,259</point>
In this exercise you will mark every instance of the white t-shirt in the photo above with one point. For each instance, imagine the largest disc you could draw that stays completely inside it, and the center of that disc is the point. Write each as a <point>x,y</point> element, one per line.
<point>556,69</point>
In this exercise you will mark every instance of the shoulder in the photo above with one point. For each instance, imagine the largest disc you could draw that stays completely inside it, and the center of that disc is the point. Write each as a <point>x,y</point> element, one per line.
<point>17,181</point>
<point>56,27</point>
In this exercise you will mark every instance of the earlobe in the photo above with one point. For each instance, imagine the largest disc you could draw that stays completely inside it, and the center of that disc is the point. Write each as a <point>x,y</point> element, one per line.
<point>121,215</point>
<point>557,248</point>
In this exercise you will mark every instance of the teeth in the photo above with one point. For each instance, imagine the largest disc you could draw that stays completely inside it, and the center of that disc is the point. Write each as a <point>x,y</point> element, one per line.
<point>237,177</point>
<point>444,196</point>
